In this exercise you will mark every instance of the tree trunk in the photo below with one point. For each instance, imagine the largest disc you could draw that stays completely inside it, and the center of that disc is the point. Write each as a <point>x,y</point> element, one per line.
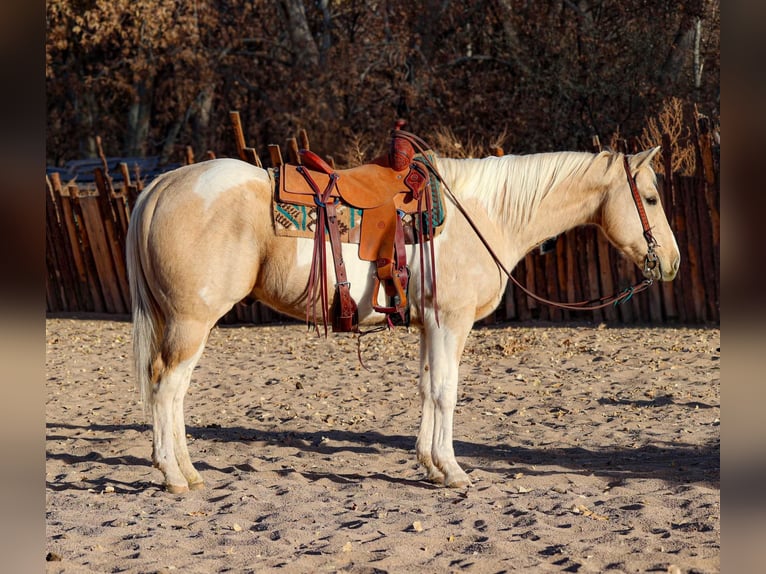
<point>513,45</point>
<point>326,42</point>
<point>170,140</point>
<point>305,51</point>
<point>86,111</point>
<point>697,58</point>
<point>139,116</point>
<point>680,49</point>
<point>201,120</point>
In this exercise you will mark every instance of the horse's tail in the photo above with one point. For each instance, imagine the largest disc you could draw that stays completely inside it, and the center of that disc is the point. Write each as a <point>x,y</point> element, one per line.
<point>147,317</point>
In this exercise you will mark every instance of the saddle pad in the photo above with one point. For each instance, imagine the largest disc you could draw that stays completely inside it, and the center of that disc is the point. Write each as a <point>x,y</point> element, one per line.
<point>300,221</point>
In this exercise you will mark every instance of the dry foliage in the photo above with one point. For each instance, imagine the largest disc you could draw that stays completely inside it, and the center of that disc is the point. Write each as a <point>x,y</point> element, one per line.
<point>448,144</point>
<point>672,121</point>
<point>153,76</point>
<point>360,151</point>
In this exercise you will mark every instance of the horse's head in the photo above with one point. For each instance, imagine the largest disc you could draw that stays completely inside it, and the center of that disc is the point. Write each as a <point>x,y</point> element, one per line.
<point>656,252</point>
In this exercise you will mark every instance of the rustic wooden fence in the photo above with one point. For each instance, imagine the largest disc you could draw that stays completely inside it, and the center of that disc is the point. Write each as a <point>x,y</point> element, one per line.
<point>87,224</point>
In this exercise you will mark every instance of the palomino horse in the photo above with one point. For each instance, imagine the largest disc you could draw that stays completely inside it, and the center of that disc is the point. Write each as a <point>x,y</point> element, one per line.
<point>201,239</point>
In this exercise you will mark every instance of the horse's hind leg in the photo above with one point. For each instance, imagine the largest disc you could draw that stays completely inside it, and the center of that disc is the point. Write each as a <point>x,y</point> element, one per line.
<point>179,429</point>
<point>181,350</point>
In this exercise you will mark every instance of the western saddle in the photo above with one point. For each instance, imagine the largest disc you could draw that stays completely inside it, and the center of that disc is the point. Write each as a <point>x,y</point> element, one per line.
<point>387,190</point>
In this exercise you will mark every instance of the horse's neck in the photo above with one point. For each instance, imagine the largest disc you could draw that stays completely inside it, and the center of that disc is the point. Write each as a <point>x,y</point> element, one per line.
<point>529,198</point>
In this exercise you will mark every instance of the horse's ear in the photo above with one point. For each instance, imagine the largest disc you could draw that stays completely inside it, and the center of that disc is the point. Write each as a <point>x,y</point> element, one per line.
<point>642,158</point>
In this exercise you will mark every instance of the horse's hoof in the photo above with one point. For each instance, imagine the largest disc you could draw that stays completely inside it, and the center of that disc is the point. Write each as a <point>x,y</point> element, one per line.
<point>460,482</point>
<point>435,477</point>
<point>177,488</point>
<point>196,485</point>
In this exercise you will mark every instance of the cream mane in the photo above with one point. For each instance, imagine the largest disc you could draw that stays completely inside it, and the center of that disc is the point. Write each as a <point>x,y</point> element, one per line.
<point>511,187</point>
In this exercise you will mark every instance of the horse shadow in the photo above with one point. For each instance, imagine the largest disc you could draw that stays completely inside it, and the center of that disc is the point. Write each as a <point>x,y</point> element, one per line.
<point>672,462</point>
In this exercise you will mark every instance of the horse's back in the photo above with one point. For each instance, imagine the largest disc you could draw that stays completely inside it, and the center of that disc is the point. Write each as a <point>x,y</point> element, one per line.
<point>207,187</point>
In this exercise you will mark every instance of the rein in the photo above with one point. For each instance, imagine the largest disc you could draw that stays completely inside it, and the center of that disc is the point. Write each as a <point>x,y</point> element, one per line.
<point>650,260</point>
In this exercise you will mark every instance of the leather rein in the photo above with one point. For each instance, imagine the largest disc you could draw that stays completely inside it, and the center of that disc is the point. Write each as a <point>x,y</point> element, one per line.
<point>650,259</point>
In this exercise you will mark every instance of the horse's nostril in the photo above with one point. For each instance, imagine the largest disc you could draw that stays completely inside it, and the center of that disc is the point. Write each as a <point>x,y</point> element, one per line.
<point>676,263</point>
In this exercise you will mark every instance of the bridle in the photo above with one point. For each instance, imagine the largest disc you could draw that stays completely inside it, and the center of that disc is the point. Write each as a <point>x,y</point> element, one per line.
<point>650,259</point>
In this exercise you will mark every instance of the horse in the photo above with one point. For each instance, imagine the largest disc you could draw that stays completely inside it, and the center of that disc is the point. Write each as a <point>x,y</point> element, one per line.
<point>201,238</point>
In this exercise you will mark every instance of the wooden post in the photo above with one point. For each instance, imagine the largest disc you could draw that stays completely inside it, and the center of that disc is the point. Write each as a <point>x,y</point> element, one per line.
<point>292,151</point>
<point>529,281</point>
<point>522,303</point>
<point>561,273</point>
<point>591,256</point>
<point>550,261</point>
<point>119,201</point>
<point>114,237</point>
<point>708,215</point>
<point>252,157</point>
<point>102,255</point>
<point>83,243</point>
<point>130,192</point>
<point>75,248</point>
<point>705,146</point>
<point>542,285</point>
<point>247,154</point>
<point>605,274</point>
<point>102,156</point>
<point>239,135</point>
<point>625,273</point>
<point>62,277</point>
<point>276,155</point>
<point>695,247</point>
<point>510,303</point>
<point>303,137</point>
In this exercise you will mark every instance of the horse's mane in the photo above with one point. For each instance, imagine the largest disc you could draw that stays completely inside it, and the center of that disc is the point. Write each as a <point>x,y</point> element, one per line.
<point>511,187</point>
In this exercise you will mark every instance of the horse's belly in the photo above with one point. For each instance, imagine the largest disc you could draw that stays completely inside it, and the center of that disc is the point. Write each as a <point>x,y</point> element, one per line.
<point>283,278</point>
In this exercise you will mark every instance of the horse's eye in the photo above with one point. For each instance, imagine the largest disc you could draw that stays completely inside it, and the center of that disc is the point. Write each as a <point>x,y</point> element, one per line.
<point>652,200</point>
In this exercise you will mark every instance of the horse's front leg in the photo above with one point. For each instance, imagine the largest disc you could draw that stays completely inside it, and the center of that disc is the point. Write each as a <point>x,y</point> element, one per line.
<point>443,346</point>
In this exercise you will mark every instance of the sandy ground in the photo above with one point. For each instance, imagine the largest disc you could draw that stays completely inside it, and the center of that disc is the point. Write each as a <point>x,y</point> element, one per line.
<point>591,449</point>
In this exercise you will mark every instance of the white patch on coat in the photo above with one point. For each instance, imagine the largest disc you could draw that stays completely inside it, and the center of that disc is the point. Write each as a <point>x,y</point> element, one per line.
<point>359,273</point>
<point>223,175</point>
<point>204,294</point>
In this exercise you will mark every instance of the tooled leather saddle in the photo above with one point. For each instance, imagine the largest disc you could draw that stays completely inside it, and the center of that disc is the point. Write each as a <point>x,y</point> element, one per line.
<point>390,188</point>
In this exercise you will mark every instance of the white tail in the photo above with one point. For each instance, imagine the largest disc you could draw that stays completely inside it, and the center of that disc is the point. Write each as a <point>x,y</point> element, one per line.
<point>147,321</point>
